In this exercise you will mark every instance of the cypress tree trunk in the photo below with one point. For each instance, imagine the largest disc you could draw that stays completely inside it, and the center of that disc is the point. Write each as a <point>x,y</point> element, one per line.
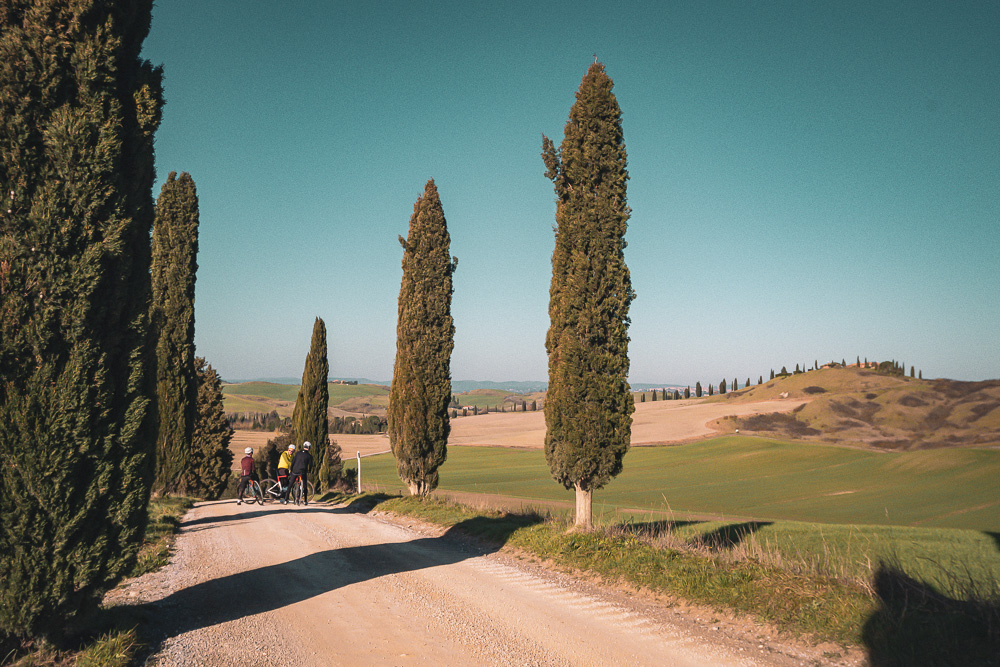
<point>175,265</point>
<point>425,335</point>
<point>78,110</point>
<point>309,420</point>
<point>588,406</point>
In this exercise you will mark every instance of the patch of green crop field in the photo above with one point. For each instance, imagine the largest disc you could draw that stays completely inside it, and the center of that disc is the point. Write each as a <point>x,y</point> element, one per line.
<point>342,392</point>
<point>754,478</point>
<point>935,514</point>
<point>278,392</point>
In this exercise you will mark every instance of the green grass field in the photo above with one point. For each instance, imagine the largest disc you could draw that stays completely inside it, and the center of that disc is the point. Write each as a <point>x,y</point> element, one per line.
<point>834,509</point>
<point>259,396</point>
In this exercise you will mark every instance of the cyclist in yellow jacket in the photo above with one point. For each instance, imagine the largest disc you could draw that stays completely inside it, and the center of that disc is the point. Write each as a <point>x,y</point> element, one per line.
<point>284,463</point>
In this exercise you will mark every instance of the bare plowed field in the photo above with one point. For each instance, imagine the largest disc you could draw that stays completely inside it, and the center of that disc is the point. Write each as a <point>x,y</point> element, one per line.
<point>654,423</point>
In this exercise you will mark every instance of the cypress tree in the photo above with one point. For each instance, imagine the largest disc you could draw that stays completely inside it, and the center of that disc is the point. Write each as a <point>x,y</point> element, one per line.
<point>210,461</point>
<point>425,336</point>
<point>588,406</point>
<point>711,389</point>
<point>309,418</point>
<point>697,389</point>
<point>722,386</point>
<point>760,378</point>
<point>78,110</point>
<point>687,391</point>
<point>772,373</point>
<point>174,265</point>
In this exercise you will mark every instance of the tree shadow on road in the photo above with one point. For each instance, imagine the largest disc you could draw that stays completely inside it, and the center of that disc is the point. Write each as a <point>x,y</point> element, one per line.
<point>916,625</point>
<point>273,587</point>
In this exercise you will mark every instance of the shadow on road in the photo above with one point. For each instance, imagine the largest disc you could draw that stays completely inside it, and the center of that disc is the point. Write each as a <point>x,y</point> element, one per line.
<point>273,587</point>
<point>915,625</point>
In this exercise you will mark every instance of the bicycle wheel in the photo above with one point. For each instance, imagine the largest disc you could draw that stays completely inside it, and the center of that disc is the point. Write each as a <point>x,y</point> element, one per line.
<point>270,490</point>
<point>256,495</point>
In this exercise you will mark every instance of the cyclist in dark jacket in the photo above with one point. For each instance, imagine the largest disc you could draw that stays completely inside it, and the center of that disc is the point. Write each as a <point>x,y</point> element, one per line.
<point>301,465</point>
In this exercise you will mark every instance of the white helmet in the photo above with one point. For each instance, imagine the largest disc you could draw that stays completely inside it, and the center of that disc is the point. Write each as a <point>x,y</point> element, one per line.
<point>248,450</point>
<point>306,445</point>
<point>291,448</point>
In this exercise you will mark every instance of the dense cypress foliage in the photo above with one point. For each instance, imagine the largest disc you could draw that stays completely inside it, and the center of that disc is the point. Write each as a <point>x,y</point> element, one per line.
<point>425,335</point>
<point>78,110</point>
<point>175,265</point>
<point>697,389</point>
<point>588,406</point>
<point>309,420</point>
<point>210,460</point>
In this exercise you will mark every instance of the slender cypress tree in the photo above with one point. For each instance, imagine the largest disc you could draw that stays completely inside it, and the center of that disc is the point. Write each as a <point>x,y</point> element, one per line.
<point>175,264</point>
<point>588,406</point>
<point>309,419</point>
<point>78,110</point>
<point>697,389</point>
<point>210,460</point>
<point>722,386</point>
<point>425,335</point>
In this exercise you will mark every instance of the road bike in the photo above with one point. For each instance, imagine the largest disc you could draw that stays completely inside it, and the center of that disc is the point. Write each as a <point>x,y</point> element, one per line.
<point>272,490</point>
<point>256,495</point>
<point>296,493</point>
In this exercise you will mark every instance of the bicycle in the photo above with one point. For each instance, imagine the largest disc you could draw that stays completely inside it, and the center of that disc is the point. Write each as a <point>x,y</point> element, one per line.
<point>271,489</point>
<point>252,493</point>
<point>297,488</point>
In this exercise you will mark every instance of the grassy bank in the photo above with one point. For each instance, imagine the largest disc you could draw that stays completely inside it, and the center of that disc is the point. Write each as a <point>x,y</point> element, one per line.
<point>896,618</point>
<point>114,640</point>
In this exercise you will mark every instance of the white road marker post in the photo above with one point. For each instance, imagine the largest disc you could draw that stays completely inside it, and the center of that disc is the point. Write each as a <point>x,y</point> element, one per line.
<point>359,473</point>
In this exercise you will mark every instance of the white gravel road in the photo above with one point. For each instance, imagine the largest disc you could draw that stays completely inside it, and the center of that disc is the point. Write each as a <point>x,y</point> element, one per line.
<point>322,585</point>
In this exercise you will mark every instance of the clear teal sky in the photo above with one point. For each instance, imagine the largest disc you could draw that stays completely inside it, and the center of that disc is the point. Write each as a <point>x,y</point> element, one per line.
<point>809,180</point>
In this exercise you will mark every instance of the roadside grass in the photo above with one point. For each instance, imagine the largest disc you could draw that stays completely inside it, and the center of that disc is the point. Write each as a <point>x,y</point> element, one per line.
<point>113,640</point>
<point>164,519</point>
<point>898,619</point>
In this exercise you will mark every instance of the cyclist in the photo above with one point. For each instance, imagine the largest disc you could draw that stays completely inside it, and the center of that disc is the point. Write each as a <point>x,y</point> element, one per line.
<point>301,465</point>
<point>284,464</point>
<point>246,469</point>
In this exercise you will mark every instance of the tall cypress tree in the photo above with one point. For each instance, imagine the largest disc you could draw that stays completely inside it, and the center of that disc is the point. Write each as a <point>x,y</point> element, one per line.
<point>309,419</point>
<point>175,265</point>
<point>78,110</point>
<point>210,459</point>
<point>425,335</point>
<point>588,406</point>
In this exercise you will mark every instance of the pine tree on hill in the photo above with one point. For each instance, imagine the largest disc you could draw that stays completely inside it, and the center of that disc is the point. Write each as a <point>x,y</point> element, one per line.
<point>425,336</point>
<point>174,268</point>
<point>211,460</point>
<point>309,418</point>
<point>78,111</point>
<point>697,389</point>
